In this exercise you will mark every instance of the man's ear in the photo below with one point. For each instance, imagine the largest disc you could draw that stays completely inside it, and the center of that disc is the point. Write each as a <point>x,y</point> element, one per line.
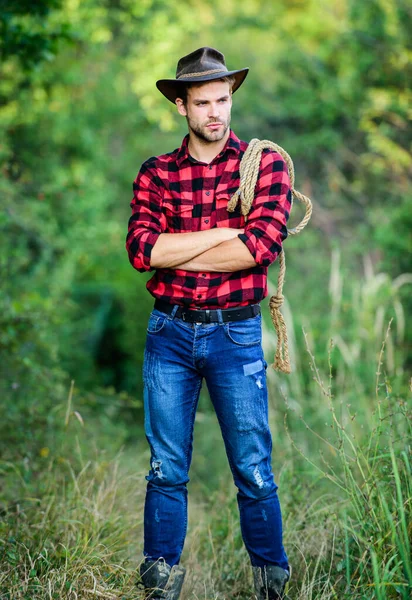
<point>181,107</point>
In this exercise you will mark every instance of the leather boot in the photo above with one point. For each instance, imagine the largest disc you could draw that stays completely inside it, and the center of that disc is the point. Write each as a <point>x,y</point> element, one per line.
<point>161,582</point>
<point>270,582</point>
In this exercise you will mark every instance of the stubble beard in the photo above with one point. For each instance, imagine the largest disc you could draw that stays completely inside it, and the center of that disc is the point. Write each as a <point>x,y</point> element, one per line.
<point>206,136</point>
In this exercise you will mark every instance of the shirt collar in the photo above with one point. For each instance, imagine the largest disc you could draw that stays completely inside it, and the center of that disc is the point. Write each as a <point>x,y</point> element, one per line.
<point>232,146</point>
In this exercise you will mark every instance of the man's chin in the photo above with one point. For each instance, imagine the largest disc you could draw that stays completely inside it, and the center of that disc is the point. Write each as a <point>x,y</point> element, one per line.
<point>213,136</point>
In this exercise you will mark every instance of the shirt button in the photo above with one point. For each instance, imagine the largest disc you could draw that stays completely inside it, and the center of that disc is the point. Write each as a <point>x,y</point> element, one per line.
<point>206,220</point>
<point>210,167</point>
<point>203,274</point>
<point>199,295</point>
<point>207,193</point>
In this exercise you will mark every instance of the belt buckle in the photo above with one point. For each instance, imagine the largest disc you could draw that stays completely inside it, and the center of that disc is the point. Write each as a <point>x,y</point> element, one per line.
<point>183,316</point>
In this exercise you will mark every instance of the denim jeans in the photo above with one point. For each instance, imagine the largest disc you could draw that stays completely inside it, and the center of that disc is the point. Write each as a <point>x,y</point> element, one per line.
<point>229,356</point>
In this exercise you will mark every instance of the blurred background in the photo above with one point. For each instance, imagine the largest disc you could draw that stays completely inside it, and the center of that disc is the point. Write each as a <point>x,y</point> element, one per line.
<point>330,81</point>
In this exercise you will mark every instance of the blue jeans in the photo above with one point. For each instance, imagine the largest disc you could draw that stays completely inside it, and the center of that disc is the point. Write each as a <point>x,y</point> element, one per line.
<point>178,355</point>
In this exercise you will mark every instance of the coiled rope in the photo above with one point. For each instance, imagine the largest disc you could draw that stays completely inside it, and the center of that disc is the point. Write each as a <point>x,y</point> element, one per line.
<point>249,171</point>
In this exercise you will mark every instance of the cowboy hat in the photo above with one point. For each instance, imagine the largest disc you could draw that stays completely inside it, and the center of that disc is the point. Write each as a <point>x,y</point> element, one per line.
<point>204,64</point>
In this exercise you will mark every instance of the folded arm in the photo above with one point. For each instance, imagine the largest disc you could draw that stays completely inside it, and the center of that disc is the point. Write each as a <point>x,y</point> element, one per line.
<point>171,250</point>
<point>227,257</point>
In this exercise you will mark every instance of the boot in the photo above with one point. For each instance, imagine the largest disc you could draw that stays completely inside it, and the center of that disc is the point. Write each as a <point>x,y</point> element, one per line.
<point>161,582</point>
<point>270,582</point>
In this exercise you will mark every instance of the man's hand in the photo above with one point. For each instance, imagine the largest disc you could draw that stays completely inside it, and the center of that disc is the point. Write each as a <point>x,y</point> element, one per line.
<point>228,257</point>
<point>173,249</point>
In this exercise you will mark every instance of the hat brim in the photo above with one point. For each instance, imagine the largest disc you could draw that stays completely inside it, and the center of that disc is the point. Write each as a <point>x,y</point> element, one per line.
<point>171,88</point>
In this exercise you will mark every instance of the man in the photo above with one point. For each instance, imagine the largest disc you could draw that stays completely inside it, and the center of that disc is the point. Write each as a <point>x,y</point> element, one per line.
<point>211,274</point>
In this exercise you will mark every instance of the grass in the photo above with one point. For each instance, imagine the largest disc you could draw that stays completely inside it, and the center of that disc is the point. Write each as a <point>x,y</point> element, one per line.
<point>71,519</point>
<point>76,531</point>
<point>68,542</point>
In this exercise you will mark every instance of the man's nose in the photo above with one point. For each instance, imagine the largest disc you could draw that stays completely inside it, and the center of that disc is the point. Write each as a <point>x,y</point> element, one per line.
<point>213,110</point>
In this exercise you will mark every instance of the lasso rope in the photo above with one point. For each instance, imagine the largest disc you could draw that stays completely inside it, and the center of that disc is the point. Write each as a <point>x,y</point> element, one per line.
<point>249,171</point>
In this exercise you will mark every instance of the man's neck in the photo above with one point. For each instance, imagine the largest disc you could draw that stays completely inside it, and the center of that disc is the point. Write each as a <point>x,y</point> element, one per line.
<point>203,151</point>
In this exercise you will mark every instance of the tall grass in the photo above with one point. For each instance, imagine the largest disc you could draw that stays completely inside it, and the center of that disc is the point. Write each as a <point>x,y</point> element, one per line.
<point>373,476</point>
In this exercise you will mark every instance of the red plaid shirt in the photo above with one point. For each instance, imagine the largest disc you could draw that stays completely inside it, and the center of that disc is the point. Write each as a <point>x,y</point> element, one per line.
<point>174,193</point>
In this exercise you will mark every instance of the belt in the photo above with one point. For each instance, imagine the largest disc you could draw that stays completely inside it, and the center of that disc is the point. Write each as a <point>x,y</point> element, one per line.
<point>209,315</point>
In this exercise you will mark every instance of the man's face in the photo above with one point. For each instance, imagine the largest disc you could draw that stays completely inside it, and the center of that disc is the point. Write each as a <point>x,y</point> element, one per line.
<point>207,110</point>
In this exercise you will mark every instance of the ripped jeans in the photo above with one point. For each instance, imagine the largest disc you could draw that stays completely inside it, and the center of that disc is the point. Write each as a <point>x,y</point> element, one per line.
<point>229,356</point>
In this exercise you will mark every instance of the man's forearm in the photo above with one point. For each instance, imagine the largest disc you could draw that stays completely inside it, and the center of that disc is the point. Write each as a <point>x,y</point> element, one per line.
<point>173,249</point>
<point>227,257</point>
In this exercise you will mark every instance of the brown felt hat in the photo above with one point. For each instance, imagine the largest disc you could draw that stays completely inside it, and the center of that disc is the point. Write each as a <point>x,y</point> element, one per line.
<point>204,64</point>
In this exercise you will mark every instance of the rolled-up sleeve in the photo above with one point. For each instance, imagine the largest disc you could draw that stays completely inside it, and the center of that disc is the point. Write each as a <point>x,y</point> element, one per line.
<point>147,221</point>
<point>266,229</point>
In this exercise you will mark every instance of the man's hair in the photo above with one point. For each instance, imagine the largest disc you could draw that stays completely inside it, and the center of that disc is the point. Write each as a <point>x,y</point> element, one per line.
<point>184,87</point>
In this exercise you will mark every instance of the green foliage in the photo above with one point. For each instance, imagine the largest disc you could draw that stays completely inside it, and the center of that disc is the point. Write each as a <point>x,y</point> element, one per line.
<point>26,34</point>
<point>76,130</point>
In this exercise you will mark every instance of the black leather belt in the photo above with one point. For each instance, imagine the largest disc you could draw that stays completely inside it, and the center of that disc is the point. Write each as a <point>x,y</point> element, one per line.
<point>209,316</point>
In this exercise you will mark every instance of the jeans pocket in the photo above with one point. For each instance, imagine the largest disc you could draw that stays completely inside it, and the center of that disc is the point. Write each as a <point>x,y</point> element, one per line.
<point>247,332</point>
<point>156,322</point>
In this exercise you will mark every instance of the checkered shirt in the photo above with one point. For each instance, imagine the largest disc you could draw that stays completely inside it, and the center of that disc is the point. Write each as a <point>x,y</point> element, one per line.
<point>174,193</point>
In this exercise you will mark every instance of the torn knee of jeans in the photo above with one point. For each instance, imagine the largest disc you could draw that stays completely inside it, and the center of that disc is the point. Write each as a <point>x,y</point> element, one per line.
<point>157,468</point>
<point>258,477</point>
